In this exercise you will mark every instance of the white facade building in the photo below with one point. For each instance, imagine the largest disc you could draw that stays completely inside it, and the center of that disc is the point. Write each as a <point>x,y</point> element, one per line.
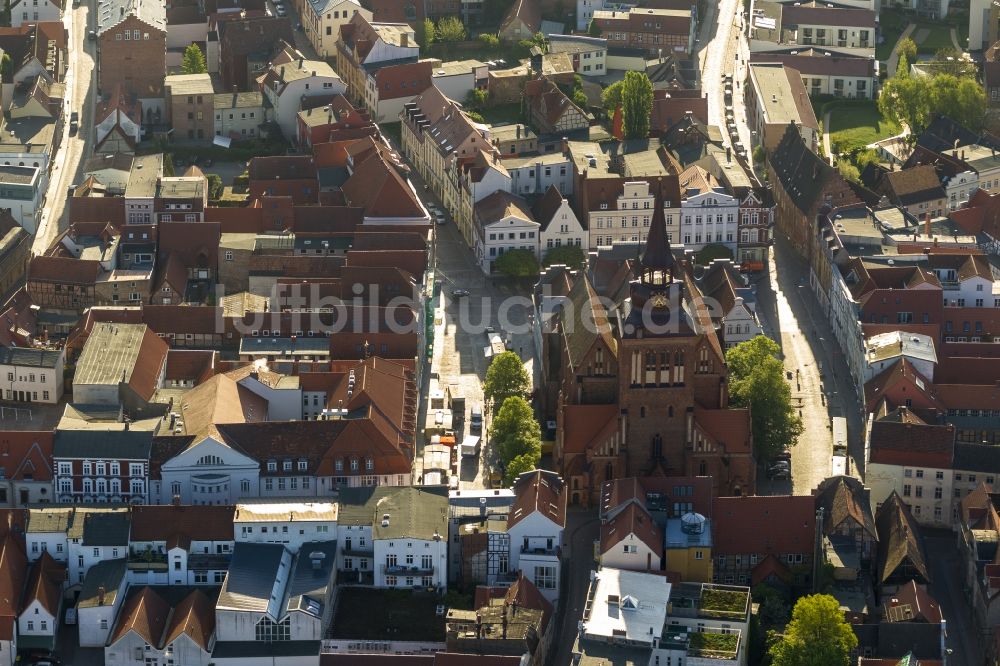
<point>321,21</point>
<point>288,523</point>
<point>21,192</point>
<point>32,375</point>
<point>34,11</point>
<point>558,224</point>
<point>708,213</point>
<point>625,218</point>
<point>46,532</point>
<point>884,350</point>
<point>534,174</point>
<point>100,598</point>
<point>535,527</point>
<point>502,222</point>
<point>289,80</point>
<point>457,78</point>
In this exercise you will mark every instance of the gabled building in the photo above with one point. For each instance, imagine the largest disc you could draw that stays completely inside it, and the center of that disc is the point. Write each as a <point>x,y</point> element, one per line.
<point>27,469</point>
<point>289,78</point>
<point>785,27</point>
<point>503,222</point>
<point>102,595</point>
<point>632,540</point>
<point>551,110</point>
<point>101,465</point>
<point>708,211</point>
<point>734,303</point>
<point>901,556</point>
<point>535,525</point>
<point>558,225</point>
<point>94,537</point>
<point>847,515</point>
<point>121,364</point>
<point>132,41</point>
<point>13,575</point>
<point>246,43</point>
<point>803,183</point>
<point>322,20</point>
<point>182,631</point>
<point>916,191</point>
<point>45,10</point>
<point>41,605</point>
<point>776,98</point>
<point>979,530</point>
<point>649,30</point>
<point>365,45</point>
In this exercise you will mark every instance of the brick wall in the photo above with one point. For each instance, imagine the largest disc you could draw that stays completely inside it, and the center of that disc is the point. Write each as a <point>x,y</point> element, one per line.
<point>137,65</point>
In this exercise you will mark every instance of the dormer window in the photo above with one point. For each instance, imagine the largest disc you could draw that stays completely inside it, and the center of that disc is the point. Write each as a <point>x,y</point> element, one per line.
<point>272,466</point>
<point>303,464</point>
<point>369,464</point>
<point>286,465</point>
<point>354,464</point>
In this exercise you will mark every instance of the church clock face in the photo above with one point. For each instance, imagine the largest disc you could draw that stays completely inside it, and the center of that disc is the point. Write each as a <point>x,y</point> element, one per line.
<point>658,300</point>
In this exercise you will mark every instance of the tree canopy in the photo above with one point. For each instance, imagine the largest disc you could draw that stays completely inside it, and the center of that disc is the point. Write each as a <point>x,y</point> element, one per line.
<point>913,101</point>
<point>818,635</point>
<point>611,96</point>
<point>193,61</point>
<point>637,104</point>
<point>521,464</point>
<point>506,377</point>
<point>570,255</point>
<point>757,381</point>
<point>517,263</point>
<point>515,432</point>
<point>450,29</point>
<point>425,33</point>
<point>907,48</point>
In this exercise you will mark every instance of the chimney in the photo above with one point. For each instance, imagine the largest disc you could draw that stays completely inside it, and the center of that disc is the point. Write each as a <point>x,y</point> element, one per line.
<point>176,501</point>
<point>927,224</point>
<point>565,145</point>
<point>100,595</point>
<point>404,40</point>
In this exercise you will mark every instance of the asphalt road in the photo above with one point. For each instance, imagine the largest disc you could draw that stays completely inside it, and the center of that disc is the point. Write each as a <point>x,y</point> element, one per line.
<point>791,317</point>
<point>582,529</point>
<point>947,587</point>
<point>67,163</point>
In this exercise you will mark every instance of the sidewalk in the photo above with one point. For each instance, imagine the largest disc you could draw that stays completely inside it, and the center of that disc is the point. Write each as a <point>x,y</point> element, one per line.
<point>890,64</point>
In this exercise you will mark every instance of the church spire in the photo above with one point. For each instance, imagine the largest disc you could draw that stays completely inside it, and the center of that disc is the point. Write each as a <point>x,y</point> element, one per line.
<point>658,256</point>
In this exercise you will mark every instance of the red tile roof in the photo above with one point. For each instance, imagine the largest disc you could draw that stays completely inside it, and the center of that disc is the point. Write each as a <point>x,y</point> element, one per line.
<point>391,79</point>
<point>144,613</point>
<point>539,491</point>
<point>45,584</point>
<point>912,444</point>
<point>778,524</point>
<point>586,424</point>
<point>633,521</point>
<point>912,603</point>
<point>376,186</point>
<point>193,616</point>
<point>13,572</point>
<point>180,525</point>
<point>27,454</point>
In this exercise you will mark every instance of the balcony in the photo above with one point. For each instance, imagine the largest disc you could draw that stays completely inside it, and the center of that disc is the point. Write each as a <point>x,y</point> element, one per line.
<point>540,550</point>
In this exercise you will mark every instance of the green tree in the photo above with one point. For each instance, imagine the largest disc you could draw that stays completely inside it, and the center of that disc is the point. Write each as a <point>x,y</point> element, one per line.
<point>818,635</point>
<point>450,30</point>
<point>580,98</point>
<point>905,100</point>
<point>773,605</point>
<point>848,171</point>
<point>525,462</point>
<point>193,61</point>
<point>425,33</point>
<point>569,255</point>
<point>961,98</point>
<point>5,63</point>
<point>907,48</point>
<point>951,61</point>
<point>637,103</point>
<point>475,117</point>
<point>759,154</point>
<point>757,381</point>
<point>215,186</point>
<point>865,157</point>
<point>517,263</point>
<point>490,41</point>
<point>477,99</point>
<point>514,430</point>
<point>505,378</point>
<point>593,29</point>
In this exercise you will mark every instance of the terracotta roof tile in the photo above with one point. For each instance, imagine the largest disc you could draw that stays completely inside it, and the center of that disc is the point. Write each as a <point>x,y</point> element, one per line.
<point>45,583</point>
<point>182,524</point>
<point>895,443</point>
<point>538,491</point>
<point>194,616</point>
<point>633,520</point>
<point>843,498</point>
<point>912,603</point>
<point>778,524</point>
<point>144,613</point>
<point>13,573</point>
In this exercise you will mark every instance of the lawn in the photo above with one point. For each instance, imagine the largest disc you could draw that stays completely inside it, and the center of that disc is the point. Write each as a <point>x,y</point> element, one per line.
<point>374,614</point>
<point>711,645</point>
<point>499,114</point>
<point>723,602</point>
<point>931,37</point>
<point>891,24</point>
<point>857,124</point>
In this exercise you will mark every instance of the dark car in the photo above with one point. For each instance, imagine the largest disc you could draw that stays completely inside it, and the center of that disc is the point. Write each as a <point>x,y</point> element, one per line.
<point>74,122</point>
<point>460,293</point>
<point>779,470</point>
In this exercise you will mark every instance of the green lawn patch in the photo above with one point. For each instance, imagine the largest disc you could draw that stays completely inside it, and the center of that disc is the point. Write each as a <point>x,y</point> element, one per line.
<point>399,615</point>
<point>891,25</point>
<point>498,114</point>
<point>724,602</point>
<point>718,646</point>
<point>856,124</point>
<point>931,37</point>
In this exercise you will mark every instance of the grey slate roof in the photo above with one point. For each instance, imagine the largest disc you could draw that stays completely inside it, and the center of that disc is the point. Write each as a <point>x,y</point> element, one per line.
<point>78,524</point>
<point>112,12</point>
<point>418,513</point>
<point>976,458</point>
<point>104,444</point>
<point>26,357</point>
<point>107,574</point>
<point>105,528</point>
<point>251,581</point>
<point>309,586</point>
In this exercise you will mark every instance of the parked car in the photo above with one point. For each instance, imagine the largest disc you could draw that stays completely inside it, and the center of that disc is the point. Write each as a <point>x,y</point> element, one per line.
<point>92,36</point>
<point>74,122</point>
<point>280,11</point>
<point>779,470</point>
<point>460,293</point>
<point>476,419</point>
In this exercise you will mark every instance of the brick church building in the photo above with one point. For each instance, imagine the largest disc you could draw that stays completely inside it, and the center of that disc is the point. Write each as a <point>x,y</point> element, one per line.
<point>642,380</point>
